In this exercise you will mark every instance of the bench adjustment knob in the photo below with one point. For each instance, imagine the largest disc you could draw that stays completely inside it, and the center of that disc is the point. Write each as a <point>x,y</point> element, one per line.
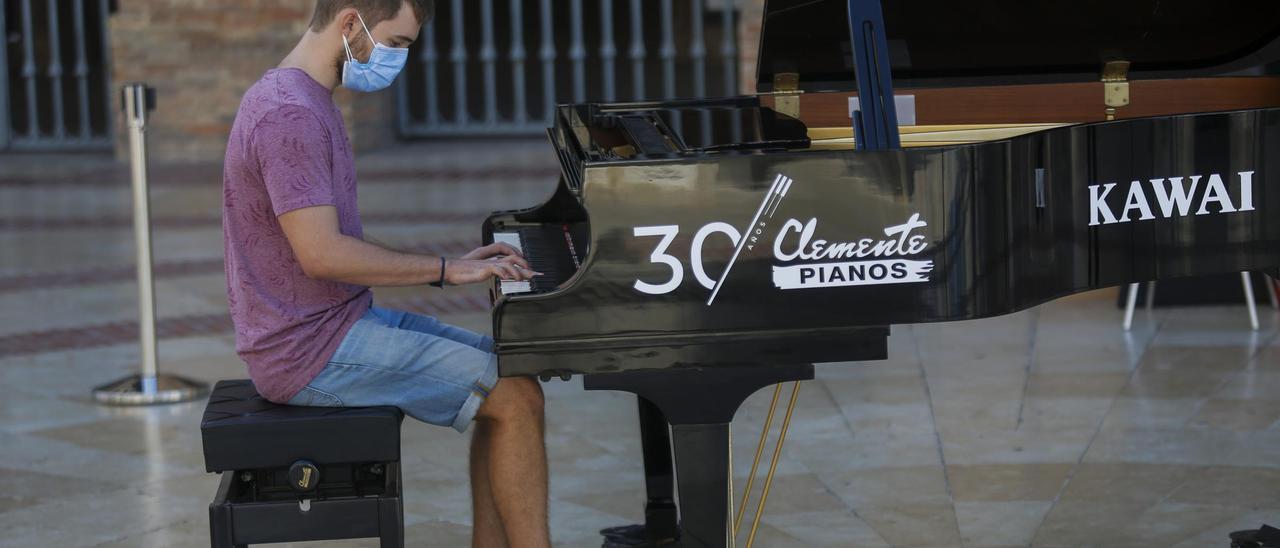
<point>304,476</point>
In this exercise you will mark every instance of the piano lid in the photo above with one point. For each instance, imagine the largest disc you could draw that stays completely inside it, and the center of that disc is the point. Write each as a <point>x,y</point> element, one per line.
<point>936,43</point>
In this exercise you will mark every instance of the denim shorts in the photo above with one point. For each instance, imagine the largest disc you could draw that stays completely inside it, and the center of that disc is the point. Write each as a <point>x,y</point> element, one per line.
<point>436,373</point>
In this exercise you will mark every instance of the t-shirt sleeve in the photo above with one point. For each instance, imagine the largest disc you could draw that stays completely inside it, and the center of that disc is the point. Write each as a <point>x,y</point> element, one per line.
<point>294,156</point>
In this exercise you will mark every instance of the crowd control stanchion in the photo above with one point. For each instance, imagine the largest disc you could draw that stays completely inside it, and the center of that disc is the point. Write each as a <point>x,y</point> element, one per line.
<point>148,387</point>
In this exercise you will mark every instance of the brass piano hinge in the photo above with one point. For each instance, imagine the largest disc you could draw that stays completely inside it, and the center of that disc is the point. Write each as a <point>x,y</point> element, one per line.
<point>786,92</point>
<point>1115,86</point>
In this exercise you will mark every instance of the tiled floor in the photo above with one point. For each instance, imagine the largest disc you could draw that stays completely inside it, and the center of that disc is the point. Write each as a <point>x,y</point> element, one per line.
<point>1050,427</point>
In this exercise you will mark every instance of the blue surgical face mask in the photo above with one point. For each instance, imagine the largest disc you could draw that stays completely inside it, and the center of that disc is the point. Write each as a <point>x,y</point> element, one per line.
<point>385,63</point>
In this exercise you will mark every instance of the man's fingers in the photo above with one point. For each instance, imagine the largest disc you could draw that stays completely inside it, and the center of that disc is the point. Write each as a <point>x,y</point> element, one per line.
<point>507,249</point>
<point>525,274</point>
<point>497,272</point>
<point>513,261</point>
<point>499,249</point>
<point>519,273</point>
<point>518,261</point>
<point>508,271</point>
<point>493,250</point>
<point>505,272</point>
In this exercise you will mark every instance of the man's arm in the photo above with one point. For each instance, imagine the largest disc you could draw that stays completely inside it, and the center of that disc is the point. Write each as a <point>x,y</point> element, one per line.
<point>327,254</point>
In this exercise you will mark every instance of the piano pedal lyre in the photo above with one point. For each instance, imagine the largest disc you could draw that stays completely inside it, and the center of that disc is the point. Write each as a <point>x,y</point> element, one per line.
<point>755,465</point>
<point>1115,87</point>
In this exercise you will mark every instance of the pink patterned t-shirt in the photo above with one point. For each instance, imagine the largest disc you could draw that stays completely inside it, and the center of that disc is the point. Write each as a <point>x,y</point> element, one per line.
<point>288,150</point>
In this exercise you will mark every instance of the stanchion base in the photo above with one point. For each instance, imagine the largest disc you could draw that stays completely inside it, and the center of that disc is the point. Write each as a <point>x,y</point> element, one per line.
<point>163,389</point>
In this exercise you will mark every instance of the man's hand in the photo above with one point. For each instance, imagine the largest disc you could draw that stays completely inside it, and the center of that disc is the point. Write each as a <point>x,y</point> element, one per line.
<point>508,268</point>
<point>496,260</point>
<point>495,250</point>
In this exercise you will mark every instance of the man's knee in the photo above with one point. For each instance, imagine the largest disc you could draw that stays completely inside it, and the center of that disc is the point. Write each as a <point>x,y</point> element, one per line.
<point>528,392</point>
<point>514,398</point>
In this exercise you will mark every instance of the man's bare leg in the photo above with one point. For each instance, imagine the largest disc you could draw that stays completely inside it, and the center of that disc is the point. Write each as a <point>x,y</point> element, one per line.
<point>486,529</point>
<point>510,429</point>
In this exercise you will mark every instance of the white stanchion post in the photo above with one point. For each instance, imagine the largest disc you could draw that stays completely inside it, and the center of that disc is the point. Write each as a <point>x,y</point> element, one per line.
<point>148,387</point>
<point>1131,302</point>
<point>1249,303</point>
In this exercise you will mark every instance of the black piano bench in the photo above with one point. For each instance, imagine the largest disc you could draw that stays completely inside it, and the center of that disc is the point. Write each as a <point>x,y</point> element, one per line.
<point>294,474</point>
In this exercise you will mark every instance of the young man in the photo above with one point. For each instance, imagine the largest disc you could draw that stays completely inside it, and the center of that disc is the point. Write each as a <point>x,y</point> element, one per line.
<point>298,273</point>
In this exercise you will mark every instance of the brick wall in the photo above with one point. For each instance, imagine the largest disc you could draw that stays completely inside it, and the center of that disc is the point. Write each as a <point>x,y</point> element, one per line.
<point>749,42</point>
<point>202,55</point>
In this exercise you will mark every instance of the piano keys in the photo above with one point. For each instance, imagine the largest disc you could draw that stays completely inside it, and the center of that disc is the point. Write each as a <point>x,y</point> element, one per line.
<point>554,251</point>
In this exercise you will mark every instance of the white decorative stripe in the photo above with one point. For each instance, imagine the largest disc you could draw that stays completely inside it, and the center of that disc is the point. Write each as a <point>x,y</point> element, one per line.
<point>890,271</point>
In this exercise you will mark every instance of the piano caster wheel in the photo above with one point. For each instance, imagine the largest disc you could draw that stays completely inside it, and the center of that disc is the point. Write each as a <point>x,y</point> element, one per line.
<point>546,376</point>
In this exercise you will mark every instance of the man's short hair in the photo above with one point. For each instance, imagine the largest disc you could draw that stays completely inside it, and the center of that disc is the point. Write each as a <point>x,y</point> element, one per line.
<point>372,11</point>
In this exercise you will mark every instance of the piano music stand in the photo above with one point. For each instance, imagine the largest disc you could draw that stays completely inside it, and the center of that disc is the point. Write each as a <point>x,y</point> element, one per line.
<point>875,123</point>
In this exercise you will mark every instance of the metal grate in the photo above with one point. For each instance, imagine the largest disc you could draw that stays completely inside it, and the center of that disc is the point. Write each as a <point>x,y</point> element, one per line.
<point>54,75</point>
<point>498,67</point>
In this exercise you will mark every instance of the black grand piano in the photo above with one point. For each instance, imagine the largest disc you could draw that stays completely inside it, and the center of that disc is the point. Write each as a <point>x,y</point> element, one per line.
<point>699,250</point>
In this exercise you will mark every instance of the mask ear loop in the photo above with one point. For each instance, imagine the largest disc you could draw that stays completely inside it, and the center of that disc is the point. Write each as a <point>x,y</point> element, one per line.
<point>347,46</point>
<point>366,30</point>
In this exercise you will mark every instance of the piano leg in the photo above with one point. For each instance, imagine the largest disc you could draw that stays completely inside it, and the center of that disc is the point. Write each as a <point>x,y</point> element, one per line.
<point>660,521</point>
<point>702,466</point>
<point>700,404</point>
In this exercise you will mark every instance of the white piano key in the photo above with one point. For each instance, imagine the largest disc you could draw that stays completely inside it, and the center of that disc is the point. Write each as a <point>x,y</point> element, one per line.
<point>510,238</point>
<point>509,288</point>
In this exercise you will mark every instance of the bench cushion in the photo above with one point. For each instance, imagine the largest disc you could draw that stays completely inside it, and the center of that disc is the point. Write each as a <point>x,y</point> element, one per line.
<point>243,431</point>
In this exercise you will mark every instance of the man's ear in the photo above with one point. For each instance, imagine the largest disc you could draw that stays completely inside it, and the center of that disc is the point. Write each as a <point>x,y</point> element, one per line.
<point>348,23</point>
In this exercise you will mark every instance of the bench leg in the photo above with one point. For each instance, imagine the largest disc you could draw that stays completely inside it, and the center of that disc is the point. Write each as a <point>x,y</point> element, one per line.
<point>393,539</point>
<point>221,530</point>
<point>390,514</point>
<point>391,511</point>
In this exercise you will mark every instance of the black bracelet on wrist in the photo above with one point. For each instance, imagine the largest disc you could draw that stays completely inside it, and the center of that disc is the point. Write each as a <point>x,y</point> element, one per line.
<point>440,283</point>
